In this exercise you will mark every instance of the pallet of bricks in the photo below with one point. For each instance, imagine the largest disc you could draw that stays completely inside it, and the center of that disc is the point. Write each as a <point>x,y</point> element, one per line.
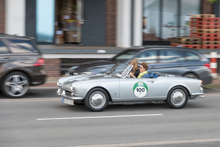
<point>188,42</point>
<point>206,27</point>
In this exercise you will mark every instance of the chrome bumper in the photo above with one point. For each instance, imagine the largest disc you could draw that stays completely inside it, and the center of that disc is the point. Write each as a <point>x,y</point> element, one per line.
<point>62,93</point>
<point>198,94</point>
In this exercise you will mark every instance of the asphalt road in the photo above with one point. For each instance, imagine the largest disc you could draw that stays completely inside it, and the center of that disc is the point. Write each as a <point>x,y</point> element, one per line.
<point>41,120</point>
<point>44,92</point>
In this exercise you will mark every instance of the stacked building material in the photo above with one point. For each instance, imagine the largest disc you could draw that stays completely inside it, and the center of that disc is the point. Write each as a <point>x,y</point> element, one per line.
<point>188,42</point>
<point>206,27</point>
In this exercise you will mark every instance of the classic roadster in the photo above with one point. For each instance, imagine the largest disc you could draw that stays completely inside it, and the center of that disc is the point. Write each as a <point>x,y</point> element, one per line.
<point>116,86</point>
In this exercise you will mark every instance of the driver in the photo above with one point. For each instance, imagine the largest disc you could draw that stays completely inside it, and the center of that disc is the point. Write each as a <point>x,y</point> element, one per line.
<point>143,70</point>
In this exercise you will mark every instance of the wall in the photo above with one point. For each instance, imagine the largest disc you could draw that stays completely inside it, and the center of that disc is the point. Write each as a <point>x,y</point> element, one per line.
<point>52,67</point>
<point>15,17</point>
<point>94,27</point>
<point>30,18</point>
<point>111,22</point>
<point>207,7</point>
<point>2,16</point>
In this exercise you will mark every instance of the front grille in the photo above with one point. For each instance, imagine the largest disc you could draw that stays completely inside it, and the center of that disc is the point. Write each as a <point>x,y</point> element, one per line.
<point>68,93</point>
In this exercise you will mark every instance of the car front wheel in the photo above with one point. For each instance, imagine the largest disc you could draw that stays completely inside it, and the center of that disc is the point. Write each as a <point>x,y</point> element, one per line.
<point>97,99</point>
<point>15,85</point>
<point>177,98</point>
<point>78,103</point>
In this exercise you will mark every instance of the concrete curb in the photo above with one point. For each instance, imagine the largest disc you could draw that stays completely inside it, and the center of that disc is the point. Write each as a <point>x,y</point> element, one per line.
<point>211,89</point>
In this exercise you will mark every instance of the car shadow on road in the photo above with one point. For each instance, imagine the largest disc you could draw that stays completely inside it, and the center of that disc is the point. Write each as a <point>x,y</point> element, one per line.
<point>132,107</point>
<point>147,106</point>
<point>114,107</point>
<point>78,108</point>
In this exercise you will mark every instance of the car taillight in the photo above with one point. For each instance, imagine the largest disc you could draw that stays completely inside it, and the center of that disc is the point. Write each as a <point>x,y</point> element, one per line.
<point>201,82</point>
<point>207,65</point>
<point>39,62</point>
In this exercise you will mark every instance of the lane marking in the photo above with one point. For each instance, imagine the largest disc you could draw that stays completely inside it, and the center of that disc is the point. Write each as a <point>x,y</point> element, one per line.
<point>97,117</point>
<point>194,141</point>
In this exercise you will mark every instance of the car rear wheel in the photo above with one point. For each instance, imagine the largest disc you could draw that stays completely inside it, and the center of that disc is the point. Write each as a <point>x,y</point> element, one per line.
<point>96,100</point>
<point>15,85</point>
<point>191,75</point>
<point>177,98</point>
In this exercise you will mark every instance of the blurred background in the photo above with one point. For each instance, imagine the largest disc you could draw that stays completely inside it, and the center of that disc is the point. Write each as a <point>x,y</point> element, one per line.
<point>180,37</point>
<point>70,32</point>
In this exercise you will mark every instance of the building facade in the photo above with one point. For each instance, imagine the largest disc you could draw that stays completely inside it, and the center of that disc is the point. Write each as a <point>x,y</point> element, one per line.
<point>121,23</point>
<point>115,23</point>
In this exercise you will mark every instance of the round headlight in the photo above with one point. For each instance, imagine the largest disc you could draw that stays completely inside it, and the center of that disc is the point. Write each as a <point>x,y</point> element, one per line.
<point>59,84</point>
<point>72,87</point>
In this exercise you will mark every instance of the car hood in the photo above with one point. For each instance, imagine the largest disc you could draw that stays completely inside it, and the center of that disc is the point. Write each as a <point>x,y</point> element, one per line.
<point>84,77</point>
<point>102,65</point>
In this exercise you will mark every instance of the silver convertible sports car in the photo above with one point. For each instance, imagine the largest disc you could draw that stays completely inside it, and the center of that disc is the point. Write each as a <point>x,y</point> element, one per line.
<point>115,86</point>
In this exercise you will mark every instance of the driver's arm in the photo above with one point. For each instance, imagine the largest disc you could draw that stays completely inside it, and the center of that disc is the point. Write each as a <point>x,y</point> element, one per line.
<point>131,75</point>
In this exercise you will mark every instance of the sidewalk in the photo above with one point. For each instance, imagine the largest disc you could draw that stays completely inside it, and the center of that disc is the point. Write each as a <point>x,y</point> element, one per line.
<point>50,83</point>
<point>81,49</point>
<point>77,49</point>
<point>216,81</point>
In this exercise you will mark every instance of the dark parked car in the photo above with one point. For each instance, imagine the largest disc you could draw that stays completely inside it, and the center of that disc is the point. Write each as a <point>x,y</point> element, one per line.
<point>164,59</point>
<point>21,65</point>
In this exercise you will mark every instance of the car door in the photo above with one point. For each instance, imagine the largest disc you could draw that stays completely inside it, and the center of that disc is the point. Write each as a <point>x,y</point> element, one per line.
<point>163,60</point>
<point>134,89</point>
<point>171,62</point>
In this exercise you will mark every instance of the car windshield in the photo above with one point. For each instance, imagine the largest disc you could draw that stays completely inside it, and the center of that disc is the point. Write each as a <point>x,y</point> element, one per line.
<point>120,70</point>
<point>124,56</point>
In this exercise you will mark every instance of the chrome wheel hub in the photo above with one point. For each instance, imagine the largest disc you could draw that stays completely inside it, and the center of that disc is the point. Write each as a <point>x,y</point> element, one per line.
<point>16,85</point>
<point>97,99</point>
<point>178,97</point>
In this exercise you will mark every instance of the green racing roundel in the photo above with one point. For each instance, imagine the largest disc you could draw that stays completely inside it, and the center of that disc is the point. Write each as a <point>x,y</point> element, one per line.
<point>140,89</point>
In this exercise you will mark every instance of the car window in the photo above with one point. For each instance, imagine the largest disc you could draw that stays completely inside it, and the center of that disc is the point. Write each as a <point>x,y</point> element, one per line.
<point>3,48</point>
<point>191,56</point>
<point>167,56</point>
<point>124,56</point>
<point>21,46</point>
<point>148,56</point>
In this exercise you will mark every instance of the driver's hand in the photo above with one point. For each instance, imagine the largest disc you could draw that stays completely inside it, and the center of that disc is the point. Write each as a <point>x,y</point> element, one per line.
<point>131,75</point>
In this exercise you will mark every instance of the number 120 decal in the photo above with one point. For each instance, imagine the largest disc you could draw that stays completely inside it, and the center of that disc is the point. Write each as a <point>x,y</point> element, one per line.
<point>140,89</point>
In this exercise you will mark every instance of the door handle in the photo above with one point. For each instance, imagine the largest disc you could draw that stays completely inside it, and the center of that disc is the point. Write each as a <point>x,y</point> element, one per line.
<point>150,81</point>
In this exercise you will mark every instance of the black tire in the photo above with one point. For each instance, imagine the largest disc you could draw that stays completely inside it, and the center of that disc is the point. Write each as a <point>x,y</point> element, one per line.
<point>90,104</point>
<point>176,102</point>
<point>20,89</point>
<point>78,103</point>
